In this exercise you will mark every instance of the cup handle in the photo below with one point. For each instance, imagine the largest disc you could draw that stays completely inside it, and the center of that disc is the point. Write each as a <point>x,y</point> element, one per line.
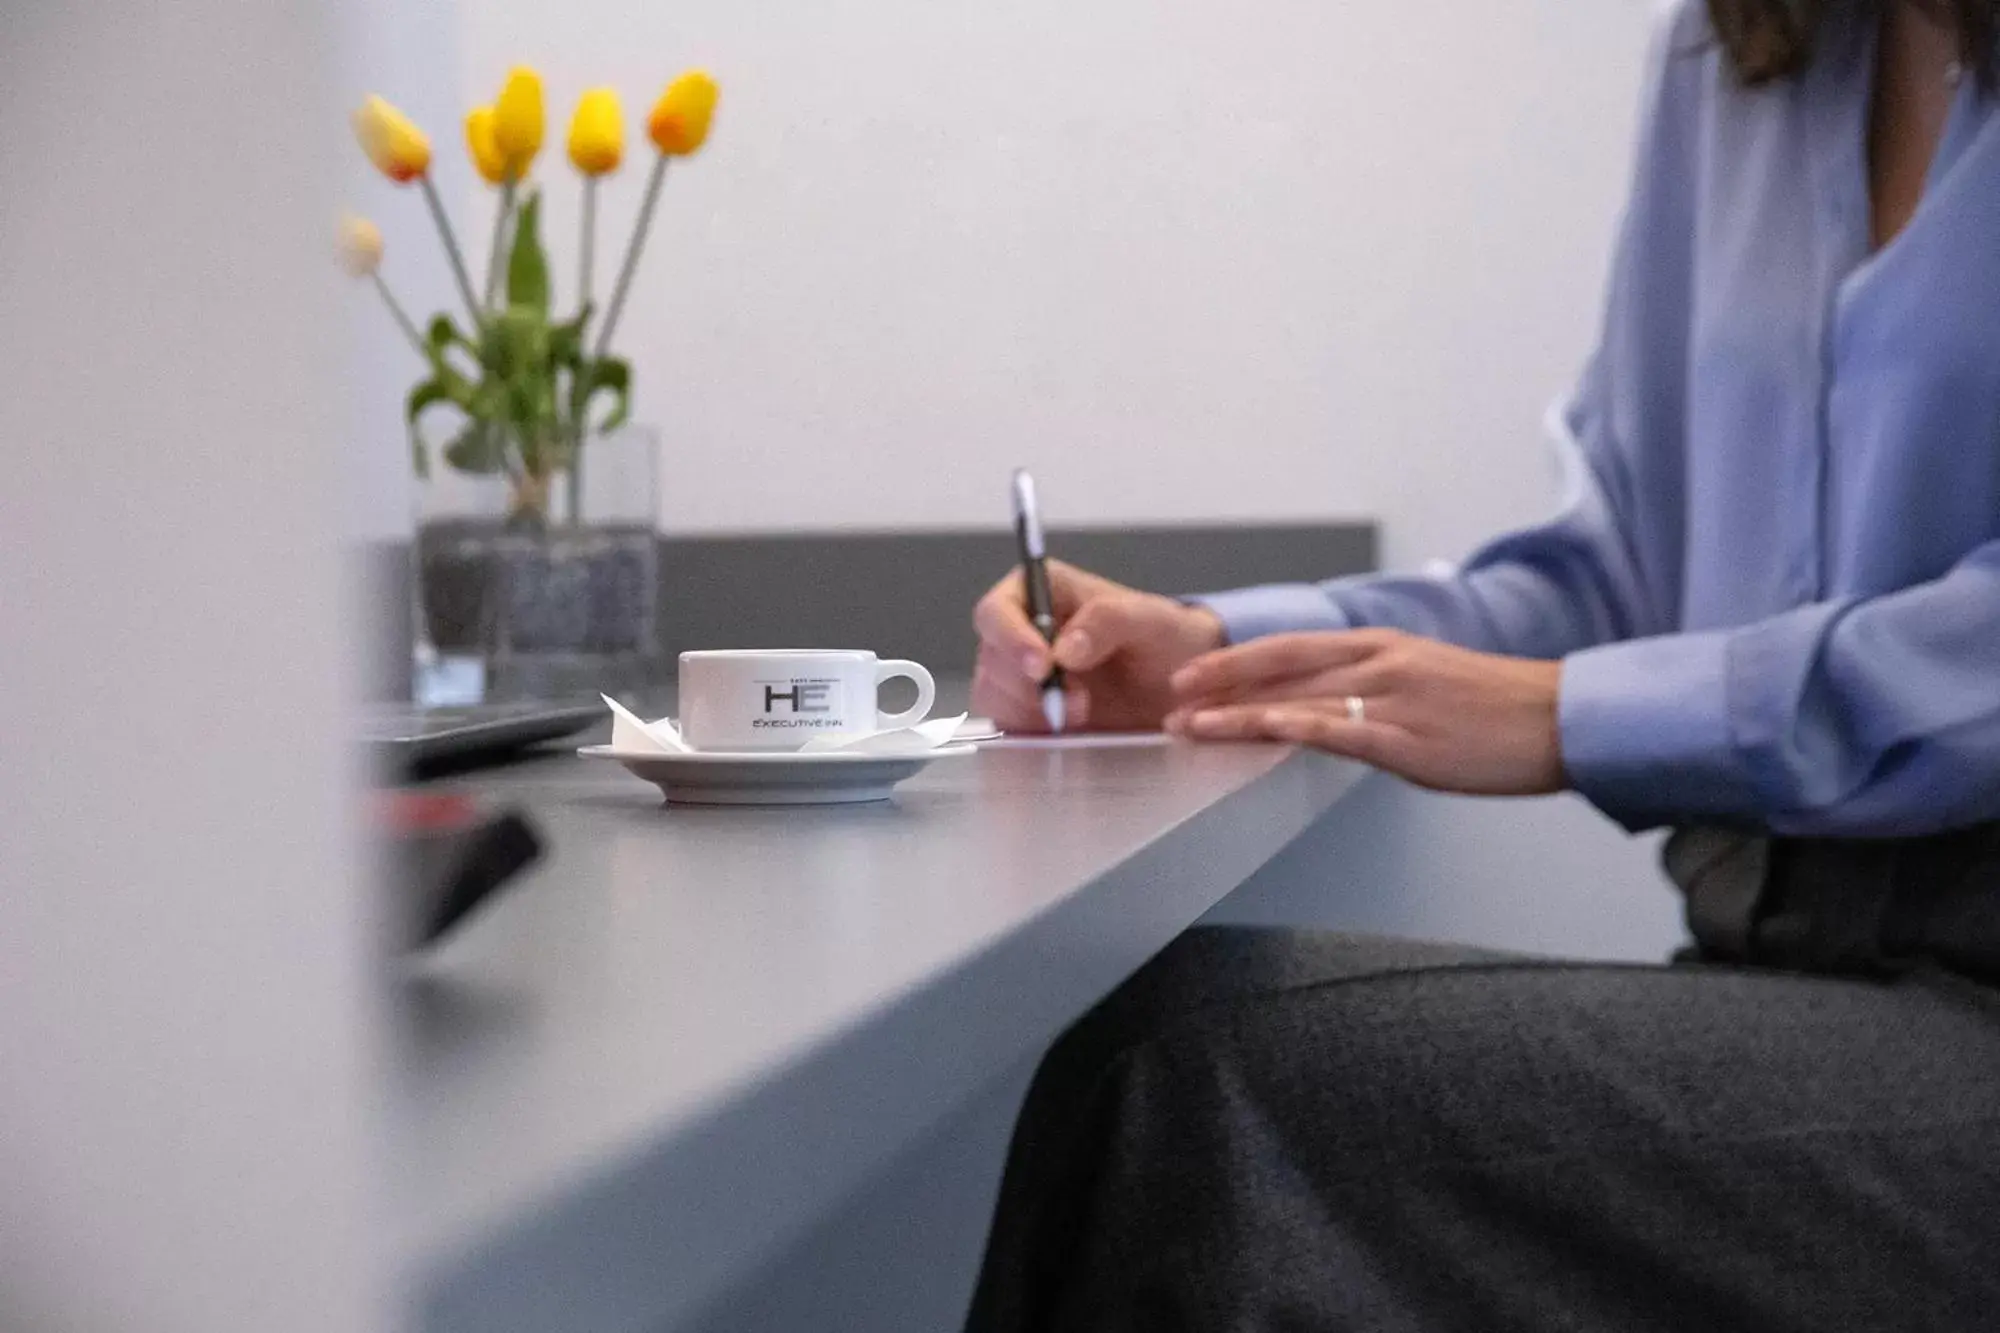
<point>926,694</point>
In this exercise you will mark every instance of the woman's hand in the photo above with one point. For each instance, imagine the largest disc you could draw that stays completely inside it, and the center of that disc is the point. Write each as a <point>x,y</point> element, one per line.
<point>1119,646</point>
<point>1443,717</point>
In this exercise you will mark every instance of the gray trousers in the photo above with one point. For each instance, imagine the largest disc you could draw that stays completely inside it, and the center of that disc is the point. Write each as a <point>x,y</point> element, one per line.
<point>1286,1131</point>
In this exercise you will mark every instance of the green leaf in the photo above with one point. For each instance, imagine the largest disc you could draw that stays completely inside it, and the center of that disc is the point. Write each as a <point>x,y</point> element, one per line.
<point>488,403</point>
<point>428,394</point>
<point>516,346</point>
<point>497,356</point>
<point>441,388</point>
<point>441,337</point>
<point>609,375</point>
<point>605,375</point>
<point>481,448</point>
<point>445,386</point>
<point>566,340</point>
<point>528,265</point>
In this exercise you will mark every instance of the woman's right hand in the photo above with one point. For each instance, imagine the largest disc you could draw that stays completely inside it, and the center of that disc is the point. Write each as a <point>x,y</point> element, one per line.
<point>1119,647</point>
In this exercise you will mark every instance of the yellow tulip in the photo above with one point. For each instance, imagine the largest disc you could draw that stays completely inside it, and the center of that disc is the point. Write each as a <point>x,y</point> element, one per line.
<point>679,123</point>
<point>518,120</point>
<point>359,245</point>
<point>597,133</point>
<point>479,145</point>
<point>396,146</point>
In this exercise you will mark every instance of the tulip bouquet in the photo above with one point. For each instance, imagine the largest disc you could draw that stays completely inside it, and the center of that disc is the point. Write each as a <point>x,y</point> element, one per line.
<point>524,379</point>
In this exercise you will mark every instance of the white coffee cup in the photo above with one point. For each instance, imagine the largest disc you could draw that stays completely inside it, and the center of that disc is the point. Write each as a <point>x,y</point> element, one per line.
<point>780,698</point>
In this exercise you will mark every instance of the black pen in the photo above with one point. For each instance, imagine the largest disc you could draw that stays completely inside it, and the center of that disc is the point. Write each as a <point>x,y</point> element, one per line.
<point>1035,572</point>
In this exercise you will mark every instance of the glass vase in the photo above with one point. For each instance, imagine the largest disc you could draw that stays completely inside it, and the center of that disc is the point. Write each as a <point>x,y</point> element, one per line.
<point>539,589</point>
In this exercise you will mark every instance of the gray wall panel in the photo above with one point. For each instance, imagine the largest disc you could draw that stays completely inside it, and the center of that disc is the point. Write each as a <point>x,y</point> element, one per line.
<point>902,594</point>
<point>911,594</point>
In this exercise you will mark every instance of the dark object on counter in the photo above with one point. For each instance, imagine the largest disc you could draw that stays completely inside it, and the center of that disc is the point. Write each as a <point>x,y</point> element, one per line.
<point>446,858</point>
<point>419,742</point>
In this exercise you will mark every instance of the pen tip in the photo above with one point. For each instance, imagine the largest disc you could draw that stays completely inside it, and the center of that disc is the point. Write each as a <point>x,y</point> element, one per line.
<point>1055,709</point>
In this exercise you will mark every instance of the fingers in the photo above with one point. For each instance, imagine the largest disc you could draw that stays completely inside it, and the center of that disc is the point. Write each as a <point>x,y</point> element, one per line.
<point>1001,692</point>
<point>1371,742</point>
<point>1006,632</point>
<point>1253,667</point>
<point>1372,679</point>
<point>1014,701</point>
<point>1002,615</point>
<point>1334,733</point>
<point>1070,587</point>
<point>1102,627</point>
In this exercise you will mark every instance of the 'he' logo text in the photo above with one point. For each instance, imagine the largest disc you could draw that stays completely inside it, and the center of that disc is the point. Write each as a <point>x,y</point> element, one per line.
<point>804,697</point>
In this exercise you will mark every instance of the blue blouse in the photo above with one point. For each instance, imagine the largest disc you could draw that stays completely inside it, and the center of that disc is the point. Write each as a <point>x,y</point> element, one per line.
<point>1776,592</point>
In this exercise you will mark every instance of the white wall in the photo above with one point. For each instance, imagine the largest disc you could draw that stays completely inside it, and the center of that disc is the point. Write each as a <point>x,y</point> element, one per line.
<point>1275,259</point>
<point>187,1057</point>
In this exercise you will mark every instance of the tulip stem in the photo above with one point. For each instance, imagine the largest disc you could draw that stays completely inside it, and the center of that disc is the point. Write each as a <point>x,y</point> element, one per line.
<point>632,252</point>
<point>493,261</point>
<point>402,318</point>
<point>451,249</point>
<point>589,243</point>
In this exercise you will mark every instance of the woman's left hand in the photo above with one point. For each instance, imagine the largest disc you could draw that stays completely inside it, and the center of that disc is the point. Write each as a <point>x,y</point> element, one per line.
<point>1442,717</point>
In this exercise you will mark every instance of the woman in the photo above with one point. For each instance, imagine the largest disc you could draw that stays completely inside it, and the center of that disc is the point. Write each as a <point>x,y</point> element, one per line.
<point>1770,620</point>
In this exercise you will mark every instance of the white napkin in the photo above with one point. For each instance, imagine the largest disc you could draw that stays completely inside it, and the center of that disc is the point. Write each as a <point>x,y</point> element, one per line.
<point>632,734</point>
<point>903,740</point>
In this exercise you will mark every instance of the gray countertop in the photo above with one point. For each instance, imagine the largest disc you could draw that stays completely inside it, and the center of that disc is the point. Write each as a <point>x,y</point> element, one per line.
<point>689,1031</point>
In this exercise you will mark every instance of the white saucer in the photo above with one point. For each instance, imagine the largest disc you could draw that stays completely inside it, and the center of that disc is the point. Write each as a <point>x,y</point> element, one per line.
<point>838,778</point>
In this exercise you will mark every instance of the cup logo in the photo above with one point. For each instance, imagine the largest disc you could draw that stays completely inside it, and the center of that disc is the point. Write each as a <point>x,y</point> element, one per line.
<point>805,696</point>
<point>799,703</point>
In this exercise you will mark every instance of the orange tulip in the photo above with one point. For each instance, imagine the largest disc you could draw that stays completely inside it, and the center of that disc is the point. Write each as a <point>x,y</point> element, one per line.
<point>679,123</point>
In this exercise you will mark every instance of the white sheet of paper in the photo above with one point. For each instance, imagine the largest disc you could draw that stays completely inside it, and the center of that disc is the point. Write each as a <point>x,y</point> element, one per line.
<point>1086,740</point>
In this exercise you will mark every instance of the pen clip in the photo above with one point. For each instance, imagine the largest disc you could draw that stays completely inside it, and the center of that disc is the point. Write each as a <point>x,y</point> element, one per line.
<point>1028,515</point>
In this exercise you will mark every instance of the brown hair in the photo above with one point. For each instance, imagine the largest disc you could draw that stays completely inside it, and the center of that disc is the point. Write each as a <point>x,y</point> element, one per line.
<point>1767,40</point>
